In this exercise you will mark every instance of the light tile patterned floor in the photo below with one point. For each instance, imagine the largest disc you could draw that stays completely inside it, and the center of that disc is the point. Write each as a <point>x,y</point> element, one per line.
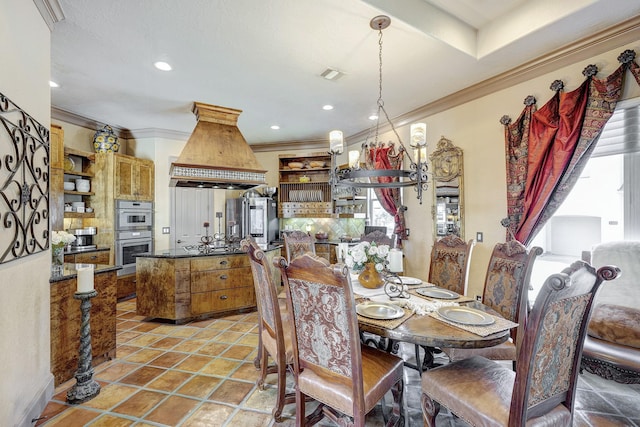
<point>202,374</point>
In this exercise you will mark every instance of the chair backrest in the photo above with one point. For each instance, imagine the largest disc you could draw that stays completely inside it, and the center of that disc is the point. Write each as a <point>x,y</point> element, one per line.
<point>380,237</point>
<point>548,362</point>
<point>371,228</point>
<point>270,319</point>
<point>325,327</point>
<point>450,262</point>
<point>506,284</point>
<point>297,243</point>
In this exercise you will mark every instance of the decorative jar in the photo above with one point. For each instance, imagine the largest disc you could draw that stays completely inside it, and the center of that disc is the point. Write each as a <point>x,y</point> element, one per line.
<point>370,278</point>
<point>57,258</point>
<point>106,141</point>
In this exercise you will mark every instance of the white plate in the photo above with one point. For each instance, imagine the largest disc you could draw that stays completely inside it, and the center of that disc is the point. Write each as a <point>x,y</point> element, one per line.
<point>407,280</point>
<point>379,310</point>
<point>466,316</point>
<point>438,293</point>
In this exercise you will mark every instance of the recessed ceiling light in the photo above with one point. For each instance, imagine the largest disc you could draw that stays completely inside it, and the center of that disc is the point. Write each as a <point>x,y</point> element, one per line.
<point>373,117</point>
<point>162,66</point>
<point>53,84</point>
<point>275,127</point>
<point>327,107</point>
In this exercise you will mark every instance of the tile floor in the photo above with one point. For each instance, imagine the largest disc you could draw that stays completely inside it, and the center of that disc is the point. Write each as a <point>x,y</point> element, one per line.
<point>202,374</point>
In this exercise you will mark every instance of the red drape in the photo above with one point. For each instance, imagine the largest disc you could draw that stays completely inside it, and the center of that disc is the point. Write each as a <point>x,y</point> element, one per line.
<point>383,157</point>
<point>556,142</point>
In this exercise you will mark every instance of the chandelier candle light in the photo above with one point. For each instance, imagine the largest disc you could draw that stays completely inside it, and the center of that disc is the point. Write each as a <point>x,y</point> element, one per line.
<point>355,177</point>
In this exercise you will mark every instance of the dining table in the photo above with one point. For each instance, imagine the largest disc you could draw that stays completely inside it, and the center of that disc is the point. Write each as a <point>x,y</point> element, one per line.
<point>427,330</point>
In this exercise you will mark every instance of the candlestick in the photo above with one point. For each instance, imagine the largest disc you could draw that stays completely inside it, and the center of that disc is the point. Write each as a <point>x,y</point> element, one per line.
<point>86,387</point>
<point>85,277</point>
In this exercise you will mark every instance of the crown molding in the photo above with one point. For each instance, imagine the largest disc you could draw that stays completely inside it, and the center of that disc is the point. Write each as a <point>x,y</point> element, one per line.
<point>51,11</point>
<point>621,34</point>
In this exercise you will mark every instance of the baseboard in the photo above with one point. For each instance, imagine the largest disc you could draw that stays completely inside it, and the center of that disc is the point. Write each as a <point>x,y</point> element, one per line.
<point>37,404</point>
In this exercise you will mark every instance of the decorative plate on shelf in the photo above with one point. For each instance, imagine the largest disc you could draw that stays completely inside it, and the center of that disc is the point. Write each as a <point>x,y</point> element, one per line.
<point>69,164</point>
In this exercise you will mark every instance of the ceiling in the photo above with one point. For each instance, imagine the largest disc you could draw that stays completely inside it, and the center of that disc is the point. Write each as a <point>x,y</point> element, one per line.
<point>265,57</point>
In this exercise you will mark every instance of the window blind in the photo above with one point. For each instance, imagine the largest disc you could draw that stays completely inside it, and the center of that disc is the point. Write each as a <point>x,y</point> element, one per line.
<point>621,134</point>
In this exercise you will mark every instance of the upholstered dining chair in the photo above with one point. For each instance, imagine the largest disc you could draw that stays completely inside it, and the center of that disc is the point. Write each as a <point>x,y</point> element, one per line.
<point>506,287</point>
<point>330,364</point>
<point>273,327</point>
<point>450,263</point>
<point>297,243</point>
<point>542,390</point>
<point>449,268</point>
<point>380,237</point>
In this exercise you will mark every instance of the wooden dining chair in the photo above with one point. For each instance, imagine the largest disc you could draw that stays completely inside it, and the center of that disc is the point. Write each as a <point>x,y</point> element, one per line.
<point>450,263</point>
<point>330,365</point>
<point>542,390</point>
<point>380,237</point>
<point>274,332</point>
<point>297,243</point>
<point>506,288</point>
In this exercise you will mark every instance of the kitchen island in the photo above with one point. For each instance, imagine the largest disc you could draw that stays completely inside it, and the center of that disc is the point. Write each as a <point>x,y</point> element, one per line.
<point>65,319</point>
<point>181,285</point>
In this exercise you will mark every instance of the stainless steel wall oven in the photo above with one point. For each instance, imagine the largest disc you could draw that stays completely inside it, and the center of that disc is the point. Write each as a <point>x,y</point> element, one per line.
<point>134,233</point>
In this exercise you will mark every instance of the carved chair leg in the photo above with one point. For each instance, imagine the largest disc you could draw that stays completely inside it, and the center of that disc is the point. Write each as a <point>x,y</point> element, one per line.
<point>430,409</point>
<point>264,368</point>
<point>397,416</point>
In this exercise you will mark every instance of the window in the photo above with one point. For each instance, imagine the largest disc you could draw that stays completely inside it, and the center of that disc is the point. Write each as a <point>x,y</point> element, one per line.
<point>377,215</point>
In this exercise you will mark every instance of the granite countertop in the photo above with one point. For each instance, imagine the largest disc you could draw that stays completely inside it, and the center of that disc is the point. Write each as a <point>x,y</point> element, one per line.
<point>69,271</point>
<point>184,253</point>
<point>81,251</point>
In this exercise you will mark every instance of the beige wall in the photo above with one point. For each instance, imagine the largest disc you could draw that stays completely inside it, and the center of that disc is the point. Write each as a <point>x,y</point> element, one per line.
<point>26,382</point>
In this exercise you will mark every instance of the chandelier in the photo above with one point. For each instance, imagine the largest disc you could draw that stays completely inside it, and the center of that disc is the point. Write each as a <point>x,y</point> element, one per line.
<point>359,174</point>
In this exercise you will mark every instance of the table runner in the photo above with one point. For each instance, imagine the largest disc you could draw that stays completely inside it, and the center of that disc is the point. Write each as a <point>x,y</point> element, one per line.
<point>501,324</point>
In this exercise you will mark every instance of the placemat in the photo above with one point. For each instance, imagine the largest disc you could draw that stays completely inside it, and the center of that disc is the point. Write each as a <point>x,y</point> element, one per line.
<point>501,324</point>
<point>387,324</point>
<point>460,299</point>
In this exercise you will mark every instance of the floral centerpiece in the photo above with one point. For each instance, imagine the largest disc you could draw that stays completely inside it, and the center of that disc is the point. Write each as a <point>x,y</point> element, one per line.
<point>59,239</point>
<point>367,253</point>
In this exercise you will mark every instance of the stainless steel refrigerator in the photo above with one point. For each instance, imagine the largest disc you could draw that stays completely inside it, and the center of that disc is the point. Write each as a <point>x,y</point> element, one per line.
<point>254,216</point>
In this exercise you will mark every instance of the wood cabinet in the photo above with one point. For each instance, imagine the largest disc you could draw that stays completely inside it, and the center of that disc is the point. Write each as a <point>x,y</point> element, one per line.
<point>184,288</point>
<point>118,176</point>
<point>65,322</point>
<point>327,251</point>
<point>304,190</point>
<point>134,178</point>
<point>126,286</point>
<point>56,178</point>
<point>89,257</point>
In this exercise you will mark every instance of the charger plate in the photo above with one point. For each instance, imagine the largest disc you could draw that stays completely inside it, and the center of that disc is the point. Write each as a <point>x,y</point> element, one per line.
<point>437,293</point>
<point>406,280</point>
<point>466,315</point>
<point>379,310</point>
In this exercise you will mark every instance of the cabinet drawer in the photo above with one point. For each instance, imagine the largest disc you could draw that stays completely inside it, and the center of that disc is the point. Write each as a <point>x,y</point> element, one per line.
<point>219,262</point>
<point>212,280</point>
<point>222,300</point>
<point>101,257</point>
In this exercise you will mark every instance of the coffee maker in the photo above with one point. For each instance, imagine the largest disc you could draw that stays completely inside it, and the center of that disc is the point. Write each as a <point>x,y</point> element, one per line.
<point>84,238</point>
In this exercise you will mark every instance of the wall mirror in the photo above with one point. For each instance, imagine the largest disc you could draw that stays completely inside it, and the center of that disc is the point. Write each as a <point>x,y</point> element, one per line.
<point>448,190</point>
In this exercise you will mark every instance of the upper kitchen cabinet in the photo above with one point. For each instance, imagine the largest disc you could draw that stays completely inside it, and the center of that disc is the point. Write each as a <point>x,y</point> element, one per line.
<point>56,142</point>
<point>131,178</point>
<point>304,191</point>
<point>134,178</point>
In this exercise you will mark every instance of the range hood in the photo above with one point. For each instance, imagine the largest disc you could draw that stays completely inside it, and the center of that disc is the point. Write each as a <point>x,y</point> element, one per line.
<point>216,154</point>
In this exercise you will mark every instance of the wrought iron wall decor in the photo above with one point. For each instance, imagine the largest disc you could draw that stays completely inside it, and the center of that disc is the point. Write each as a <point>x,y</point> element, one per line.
<point>24,183</point>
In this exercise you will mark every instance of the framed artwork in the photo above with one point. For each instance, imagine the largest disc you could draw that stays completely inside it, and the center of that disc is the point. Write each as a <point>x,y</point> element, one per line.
<point>24,183</point>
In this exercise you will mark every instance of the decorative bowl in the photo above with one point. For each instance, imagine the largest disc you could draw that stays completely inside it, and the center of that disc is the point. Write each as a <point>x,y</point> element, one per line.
<point>69,186</point>
<point>316,164</point>
<point>295,165</point>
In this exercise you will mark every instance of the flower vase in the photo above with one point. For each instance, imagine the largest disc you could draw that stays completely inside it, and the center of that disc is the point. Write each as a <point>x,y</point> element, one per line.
<point>57,258</point>
<point>370,278</point>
